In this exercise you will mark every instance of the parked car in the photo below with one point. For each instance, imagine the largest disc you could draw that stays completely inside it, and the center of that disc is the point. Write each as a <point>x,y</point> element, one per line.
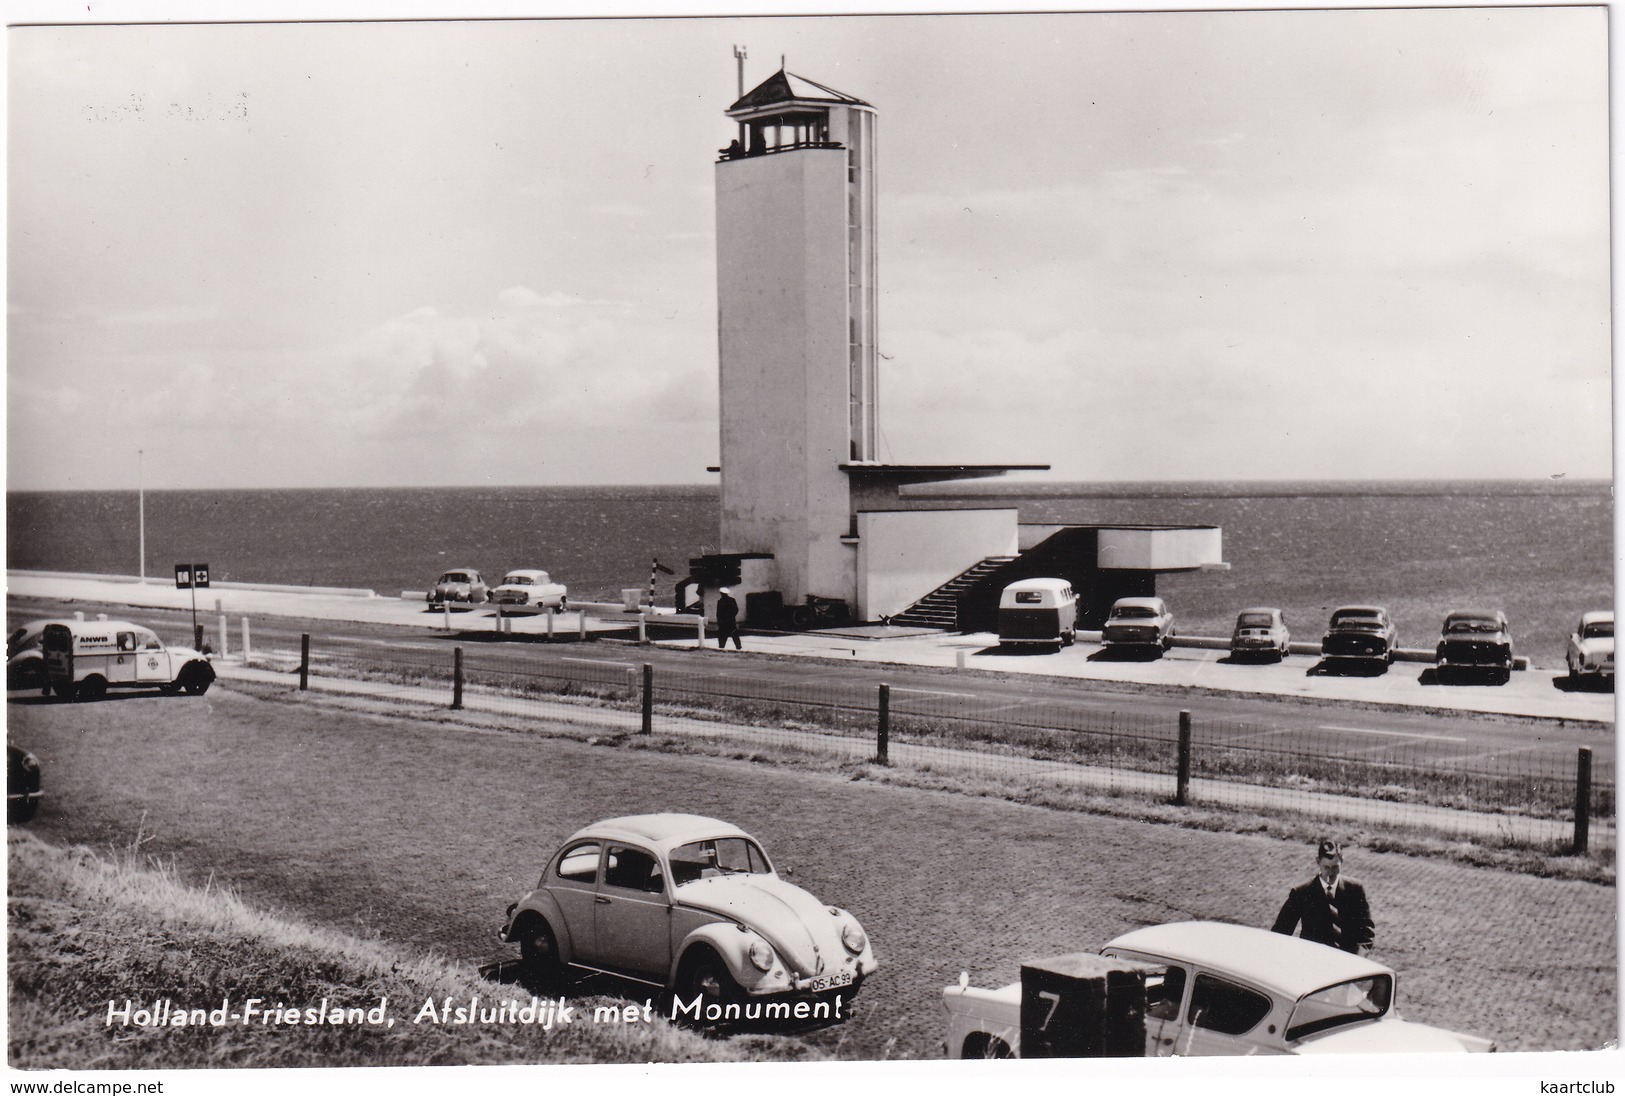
<point>531,589</point>
<point>23,785</point>
<point>1042,611</point>
<point>1139,622</point>
<point>1474,641</point>
<point>1260,633</point>
<point>1591,647</point>
<point>1229,989</point>
<point>460,584</point>
<point>86,658</point>
<point>1360,633</point>
<point>691,905</point>
<point>25,661</point>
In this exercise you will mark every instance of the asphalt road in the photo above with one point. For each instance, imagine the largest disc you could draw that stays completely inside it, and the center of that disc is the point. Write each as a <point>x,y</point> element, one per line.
<point>421,833</point>
<point>1374,732</point>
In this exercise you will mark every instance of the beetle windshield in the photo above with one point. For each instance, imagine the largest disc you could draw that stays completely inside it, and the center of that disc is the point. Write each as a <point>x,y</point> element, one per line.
<point>1599,629</point>
<point>1343,1003</point>
<point>454,576</point>
<point>717,856</point>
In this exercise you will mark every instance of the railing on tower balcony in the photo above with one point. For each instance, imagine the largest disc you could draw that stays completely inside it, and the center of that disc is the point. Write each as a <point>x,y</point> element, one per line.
<point>735,151</point>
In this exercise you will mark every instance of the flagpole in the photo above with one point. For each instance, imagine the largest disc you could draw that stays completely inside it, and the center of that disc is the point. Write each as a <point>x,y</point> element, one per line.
<point>141,495</point>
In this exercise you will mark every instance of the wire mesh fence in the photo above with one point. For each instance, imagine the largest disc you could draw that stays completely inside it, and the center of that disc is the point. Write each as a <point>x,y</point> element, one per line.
<point>1536,797</point>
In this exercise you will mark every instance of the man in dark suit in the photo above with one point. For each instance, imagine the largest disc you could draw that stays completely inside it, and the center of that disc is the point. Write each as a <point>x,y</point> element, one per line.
<point>1331,907</point>
<point>727,619</point>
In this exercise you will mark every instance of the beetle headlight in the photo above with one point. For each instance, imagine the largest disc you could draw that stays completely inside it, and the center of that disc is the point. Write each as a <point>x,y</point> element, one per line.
<point>852,936</point>
<point>761,956</point>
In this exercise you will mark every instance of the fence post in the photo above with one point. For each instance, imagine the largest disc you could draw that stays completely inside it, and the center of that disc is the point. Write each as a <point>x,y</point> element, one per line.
<point>883,726</point>
<point>248,651</point>
<point>1582,802</point>
<point>648,698</point>
<point>304,662</point>
<point>456,677</point>
<point>1182,779</point>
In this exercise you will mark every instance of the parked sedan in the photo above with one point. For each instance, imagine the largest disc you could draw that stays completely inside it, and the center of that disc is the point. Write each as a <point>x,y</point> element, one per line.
<point>1591,648</point>
<point>1260,633</point>
<point>460,584</point>
<point>1475,641</point>
<point>530,589</point>
<point>1360,633</point>
<point>691,905</point>
<point>1229,989</point>
<point>1139,622</point>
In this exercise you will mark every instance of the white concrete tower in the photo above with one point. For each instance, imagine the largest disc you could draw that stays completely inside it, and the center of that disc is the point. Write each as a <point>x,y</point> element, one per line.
<point>796,299</point>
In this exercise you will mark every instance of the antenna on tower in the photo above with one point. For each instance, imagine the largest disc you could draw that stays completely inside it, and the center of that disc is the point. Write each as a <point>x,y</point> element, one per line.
<point>739,57</point>
<point>781,62</point>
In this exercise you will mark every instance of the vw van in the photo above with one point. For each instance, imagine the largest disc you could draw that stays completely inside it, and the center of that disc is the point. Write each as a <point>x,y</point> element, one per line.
<point>85,658</point>
<point>1040,611</point>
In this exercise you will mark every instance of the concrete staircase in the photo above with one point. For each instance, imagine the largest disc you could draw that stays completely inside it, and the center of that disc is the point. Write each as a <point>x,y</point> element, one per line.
<point>940,608</point>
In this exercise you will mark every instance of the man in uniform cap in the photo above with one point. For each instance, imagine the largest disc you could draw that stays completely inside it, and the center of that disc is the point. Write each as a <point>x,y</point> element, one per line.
<point>727,619</point>
<point>1331,907</point>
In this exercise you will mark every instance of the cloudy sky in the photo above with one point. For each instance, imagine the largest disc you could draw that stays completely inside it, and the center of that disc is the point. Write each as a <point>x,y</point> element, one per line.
<point>1187,245</point>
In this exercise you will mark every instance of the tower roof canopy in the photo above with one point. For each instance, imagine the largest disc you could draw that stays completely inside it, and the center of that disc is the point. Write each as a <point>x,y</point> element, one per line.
<point>787,89</point>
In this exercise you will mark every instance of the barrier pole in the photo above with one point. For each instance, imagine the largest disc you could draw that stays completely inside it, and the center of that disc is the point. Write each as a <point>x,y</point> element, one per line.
<point>304,662</point>
<point>1182,781</point>
<point>1582,802</point>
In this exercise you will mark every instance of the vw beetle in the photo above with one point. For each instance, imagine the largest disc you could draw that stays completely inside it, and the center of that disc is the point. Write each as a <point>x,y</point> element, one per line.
<point>691,905</point>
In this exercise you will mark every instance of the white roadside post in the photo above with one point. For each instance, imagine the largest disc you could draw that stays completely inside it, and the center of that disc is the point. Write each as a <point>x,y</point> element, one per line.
<point>445,615</point>
<point>699,633</point>
<point>223,633</point>
<point>581,623</point>
<point>551,613</point>
<point>247,650</point>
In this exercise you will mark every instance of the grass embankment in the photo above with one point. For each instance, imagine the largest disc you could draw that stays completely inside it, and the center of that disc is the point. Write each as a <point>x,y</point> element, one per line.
<point>87,929</point>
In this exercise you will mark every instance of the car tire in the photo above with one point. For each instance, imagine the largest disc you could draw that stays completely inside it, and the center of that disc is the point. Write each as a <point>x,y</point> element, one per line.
<point>539,965</point>
<point>705,975</point>
<point>93,687</point>
<point>982,1045</point>
<point>195,680</point>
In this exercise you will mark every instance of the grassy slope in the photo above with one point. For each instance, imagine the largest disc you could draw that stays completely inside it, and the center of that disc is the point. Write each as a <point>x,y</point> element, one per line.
<point>86,929</point>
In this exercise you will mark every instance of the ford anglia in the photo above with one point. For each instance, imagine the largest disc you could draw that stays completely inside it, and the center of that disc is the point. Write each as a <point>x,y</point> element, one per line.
<point>691,905</point>
<point>1229,989</point>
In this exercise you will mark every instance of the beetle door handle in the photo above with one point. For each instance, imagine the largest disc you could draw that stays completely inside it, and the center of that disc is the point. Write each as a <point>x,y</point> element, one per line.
<point>601,900</point>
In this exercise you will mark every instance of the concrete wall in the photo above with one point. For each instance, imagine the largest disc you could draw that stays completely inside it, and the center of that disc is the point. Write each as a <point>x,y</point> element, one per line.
<point>905,554</point>
<point>783,298</point>
<point>1128,549</point>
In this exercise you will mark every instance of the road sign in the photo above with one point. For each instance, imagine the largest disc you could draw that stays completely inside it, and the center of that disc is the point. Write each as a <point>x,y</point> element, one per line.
<point>190,576</point>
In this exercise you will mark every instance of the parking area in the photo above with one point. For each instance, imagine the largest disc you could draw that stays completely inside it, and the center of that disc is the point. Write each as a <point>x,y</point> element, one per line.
<point>1194,663</point>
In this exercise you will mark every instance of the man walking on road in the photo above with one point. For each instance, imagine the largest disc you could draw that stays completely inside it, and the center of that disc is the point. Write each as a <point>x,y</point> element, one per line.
<point>1331,907</point>
<point>727,620</point>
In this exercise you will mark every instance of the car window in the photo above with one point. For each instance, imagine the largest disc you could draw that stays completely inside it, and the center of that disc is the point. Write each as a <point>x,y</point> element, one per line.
<point>580,863</point>
<point>1164,993</point>
<point>148,641</point>
<point>1344,1003</point>
<point>1029,597</point>
<point>718,856</point>
<point>1225,1007</point>
<point>1255,620</point>
<point>633,869</point>
<point>126,641</point>
<point>1600,629</point>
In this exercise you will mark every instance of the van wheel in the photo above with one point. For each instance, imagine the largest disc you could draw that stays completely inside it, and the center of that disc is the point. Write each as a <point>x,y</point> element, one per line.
<point>1069,639</point>
<point>92,688</point>
<point>195,681</point>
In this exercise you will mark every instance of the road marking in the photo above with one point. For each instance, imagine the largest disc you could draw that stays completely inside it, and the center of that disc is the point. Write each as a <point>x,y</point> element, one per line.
<point>599,662</point>
<point>1396,734</point>
<point>933,692</point>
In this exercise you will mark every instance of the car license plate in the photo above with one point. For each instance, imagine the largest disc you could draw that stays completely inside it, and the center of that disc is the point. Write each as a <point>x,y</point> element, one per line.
<point>830,981</point>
